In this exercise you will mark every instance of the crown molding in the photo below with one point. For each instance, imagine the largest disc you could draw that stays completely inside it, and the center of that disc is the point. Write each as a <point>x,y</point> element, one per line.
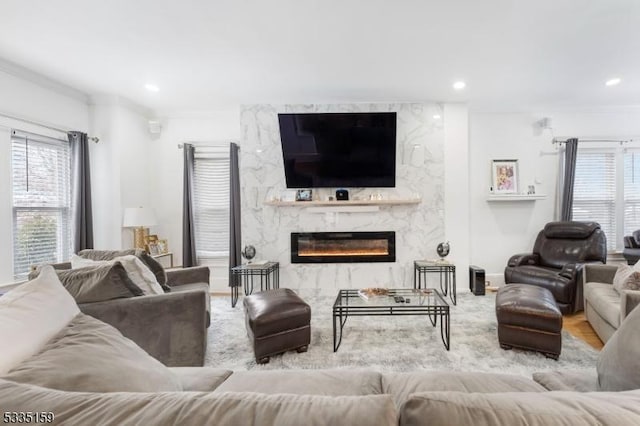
<point>43,81</point>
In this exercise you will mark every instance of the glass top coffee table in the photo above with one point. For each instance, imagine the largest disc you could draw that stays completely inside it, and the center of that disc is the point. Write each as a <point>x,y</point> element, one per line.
<point>383,302</point>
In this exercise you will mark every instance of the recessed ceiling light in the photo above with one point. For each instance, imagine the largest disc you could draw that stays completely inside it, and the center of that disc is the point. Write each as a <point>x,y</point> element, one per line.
<point>459,85</point>
<point>436,117</point>
<point>613,82</point>
<point>151,87</point>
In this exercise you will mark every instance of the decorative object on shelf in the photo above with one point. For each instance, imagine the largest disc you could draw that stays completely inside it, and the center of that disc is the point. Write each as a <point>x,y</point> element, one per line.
<point>504,176</point>
<point>249,252</point>
<point>342,194</point>
<point>443,249</point>
<point>139,218</point>
<point>304,195</point>
<point>531,190</point>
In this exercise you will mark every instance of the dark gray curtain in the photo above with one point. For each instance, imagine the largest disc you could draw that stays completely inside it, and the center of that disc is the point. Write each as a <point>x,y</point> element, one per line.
<point>82,215</point>
<point>570,155</point>
<point>235,238</point>
<point>188,231</point>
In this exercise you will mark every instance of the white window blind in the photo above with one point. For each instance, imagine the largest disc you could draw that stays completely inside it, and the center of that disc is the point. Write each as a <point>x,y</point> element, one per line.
<point>41,180</point>
<point>594,192</point>
<point>211,202</point>
<point>631,191</point>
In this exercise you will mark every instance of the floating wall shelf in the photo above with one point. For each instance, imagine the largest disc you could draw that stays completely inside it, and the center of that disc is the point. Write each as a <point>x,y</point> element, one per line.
<point>347,203</point>
<point>515,197</point>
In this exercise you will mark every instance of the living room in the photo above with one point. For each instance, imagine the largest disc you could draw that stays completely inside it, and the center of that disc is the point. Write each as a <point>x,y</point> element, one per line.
<point>472,87</point>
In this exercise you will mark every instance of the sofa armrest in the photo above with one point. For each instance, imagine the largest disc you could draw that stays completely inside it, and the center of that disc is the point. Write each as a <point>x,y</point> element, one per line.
<point>196,274</point>
<point>599,273</point>
<point>629,299</point>
<point>524,259</point>
<point>171,327</point>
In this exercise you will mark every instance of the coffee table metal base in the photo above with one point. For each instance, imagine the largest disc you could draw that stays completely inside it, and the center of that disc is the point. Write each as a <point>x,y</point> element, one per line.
<point>341,312</point>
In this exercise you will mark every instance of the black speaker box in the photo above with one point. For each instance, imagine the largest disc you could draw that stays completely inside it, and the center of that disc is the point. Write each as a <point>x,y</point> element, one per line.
<point>342,195</point>
<point>476,280</point>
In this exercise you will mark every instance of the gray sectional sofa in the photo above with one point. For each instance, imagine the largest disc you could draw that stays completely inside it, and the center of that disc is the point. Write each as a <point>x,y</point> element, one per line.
<point>604,307</point>
<point>71,367</point>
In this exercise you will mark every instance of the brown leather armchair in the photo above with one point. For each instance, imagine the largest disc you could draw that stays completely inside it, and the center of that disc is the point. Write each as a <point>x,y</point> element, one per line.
<point>559,253</point>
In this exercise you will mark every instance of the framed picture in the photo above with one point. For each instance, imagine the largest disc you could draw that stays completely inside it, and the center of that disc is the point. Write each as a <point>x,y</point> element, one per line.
<point>153,238</point>
<point>163,247</point>
<point>303,195</point>
<point>153,249</point>
<point>504,176</point>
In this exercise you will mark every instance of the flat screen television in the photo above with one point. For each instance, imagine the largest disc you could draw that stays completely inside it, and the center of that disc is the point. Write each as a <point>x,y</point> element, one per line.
<point>335,150</point>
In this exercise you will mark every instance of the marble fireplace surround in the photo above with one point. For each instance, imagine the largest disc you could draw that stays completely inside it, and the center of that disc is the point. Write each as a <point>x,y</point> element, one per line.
<point>419,174</point>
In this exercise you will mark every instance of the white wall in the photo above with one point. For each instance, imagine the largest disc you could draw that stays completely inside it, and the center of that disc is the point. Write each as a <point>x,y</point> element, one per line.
<point>167,167</point>
<point>501,229</point>
<point>456,189</point>
<point>34,102</point>
<point>122,170</point>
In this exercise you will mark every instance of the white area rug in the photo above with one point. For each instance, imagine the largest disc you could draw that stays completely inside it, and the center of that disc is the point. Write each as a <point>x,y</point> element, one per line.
<point>388,343</point>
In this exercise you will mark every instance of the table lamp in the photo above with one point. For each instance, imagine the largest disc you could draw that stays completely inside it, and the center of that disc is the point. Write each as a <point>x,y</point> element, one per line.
<point>139,218</point>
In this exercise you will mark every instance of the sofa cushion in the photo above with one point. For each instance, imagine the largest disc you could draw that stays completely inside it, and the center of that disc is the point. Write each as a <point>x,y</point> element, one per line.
<point>151,263</point>
<point>619,361</point>
<point>627,278</point>
<point>402,385</point>
<point>571,380</point>
<point>318,382</point>
<point>137,271</point>
<point>604,300</point>
<point>30,315</point>
<point>194,408</point>
<point>522,408</point>
<point>90,356</point>
<point>200,379</point>
<point>97,283</point>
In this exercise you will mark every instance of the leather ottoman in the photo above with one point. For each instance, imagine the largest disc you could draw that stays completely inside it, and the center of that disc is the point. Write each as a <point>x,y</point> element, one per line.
<point>277,321</point>
<point>528,318</point>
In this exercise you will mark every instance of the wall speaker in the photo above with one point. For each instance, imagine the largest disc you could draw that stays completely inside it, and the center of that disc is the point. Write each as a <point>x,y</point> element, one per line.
<point>342,195</point>
<point>476,280</point>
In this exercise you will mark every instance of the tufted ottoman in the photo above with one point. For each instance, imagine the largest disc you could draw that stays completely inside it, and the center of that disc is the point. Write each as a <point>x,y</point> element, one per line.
<point>529,318</point>
<point>277,321</point>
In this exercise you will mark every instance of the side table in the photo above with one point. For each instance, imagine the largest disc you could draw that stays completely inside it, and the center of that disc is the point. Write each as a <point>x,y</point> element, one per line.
<point>267,272</point>
<point>446,271</point>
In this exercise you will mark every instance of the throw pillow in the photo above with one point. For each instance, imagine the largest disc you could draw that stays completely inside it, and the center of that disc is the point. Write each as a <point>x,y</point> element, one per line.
<point>619,361</point>
<point>89,355</point>
<point>626,278</point>
<point>151,263</point>
<point>30,315</point>
<point>137,271</point>
<point>98,283</point>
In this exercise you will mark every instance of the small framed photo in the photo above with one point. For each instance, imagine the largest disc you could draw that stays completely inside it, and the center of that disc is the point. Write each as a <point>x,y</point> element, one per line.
<point>153,249</point>
<point>303,195</point>
<point>153,238</point>
<point>504,176</point>
<point>163,246</point>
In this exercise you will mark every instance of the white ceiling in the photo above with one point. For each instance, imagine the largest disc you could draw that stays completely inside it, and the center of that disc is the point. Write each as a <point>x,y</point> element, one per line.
<point>215,54</point>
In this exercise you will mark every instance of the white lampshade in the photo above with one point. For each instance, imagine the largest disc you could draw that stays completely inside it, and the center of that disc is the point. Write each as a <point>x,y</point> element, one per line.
<point>138,216</point>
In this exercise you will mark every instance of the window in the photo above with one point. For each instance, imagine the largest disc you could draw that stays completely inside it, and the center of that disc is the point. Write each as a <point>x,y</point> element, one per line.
<point>41,183</point>
<point>607,190</point>
<point>211,202</point>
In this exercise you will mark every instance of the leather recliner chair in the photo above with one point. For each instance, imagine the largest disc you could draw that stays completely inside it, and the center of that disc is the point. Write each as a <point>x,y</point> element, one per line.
<point>559,253</point>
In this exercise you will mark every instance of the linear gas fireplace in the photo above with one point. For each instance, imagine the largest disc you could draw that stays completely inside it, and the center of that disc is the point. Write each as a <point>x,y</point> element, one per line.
<point>343,247</point>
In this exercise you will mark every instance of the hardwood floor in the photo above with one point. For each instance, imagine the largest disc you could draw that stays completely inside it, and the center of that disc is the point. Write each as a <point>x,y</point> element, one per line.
<point>578,326</point>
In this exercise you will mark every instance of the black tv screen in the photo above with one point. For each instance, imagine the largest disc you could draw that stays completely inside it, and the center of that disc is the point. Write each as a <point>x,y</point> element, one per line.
<point>339,149</point>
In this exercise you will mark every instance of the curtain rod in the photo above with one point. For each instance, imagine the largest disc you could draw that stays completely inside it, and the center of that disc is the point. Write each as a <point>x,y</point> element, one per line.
<point>620,141</point>
<point>206,144</point>
<point>46,126</point>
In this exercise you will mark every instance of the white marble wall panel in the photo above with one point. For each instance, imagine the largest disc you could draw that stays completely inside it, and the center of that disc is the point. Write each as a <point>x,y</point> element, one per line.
<point>419,173</point>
